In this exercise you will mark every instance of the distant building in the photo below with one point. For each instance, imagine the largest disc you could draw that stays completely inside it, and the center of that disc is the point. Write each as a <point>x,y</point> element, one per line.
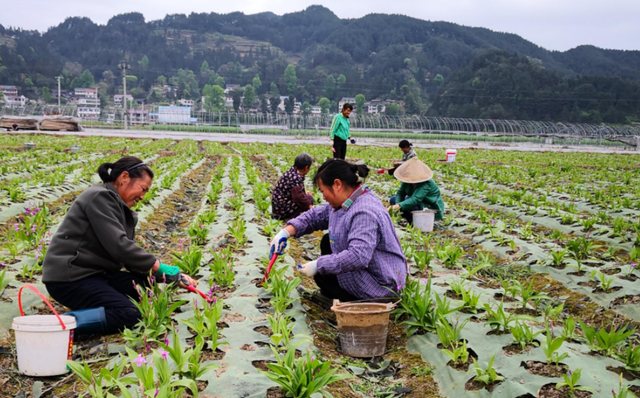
<point>174,114</point>
<point>374,107</point>
<point>9,90</point>
<point>230,87</point>
<point>14,101</point>
<point>296,105</point>
<point>186,102</point>
<point>138,116</point>
<point>345,100</point>
<point>117,99</point>
<point>316,110</point>
<point>88,103</point>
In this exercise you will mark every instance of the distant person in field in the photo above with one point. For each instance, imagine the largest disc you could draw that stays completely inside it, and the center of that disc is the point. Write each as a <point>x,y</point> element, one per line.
<point>360,256</point>
<point>340,132</point>
<point>407,153</point>
<point>93,264</point>
<point>289,199</point>
<point>417,190</point>
<point>15,126</point>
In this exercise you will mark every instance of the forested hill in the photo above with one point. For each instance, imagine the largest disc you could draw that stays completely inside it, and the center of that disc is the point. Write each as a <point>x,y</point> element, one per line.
<point>380,56</point>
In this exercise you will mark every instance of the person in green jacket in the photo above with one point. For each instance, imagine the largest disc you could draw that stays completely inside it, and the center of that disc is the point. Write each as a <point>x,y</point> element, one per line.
<point>340,132</point>
<point>418,191</point>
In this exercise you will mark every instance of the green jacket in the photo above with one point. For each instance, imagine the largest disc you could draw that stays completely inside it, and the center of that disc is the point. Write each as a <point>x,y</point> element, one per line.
<point>340,127</point>
<point>425,195</point>
<point>96,236</point>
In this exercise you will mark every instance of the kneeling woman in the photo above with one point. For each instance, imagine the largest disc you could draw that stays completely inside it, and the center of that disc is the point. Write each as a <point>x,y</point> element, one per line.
<point>82,269</point>
<point>418,190</point>
<point>361,256</point>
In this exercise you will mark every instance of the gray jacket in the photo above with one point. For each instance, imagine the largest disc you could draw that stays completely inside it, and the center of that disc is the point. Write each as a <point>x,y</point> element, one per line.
<point>95,237</point>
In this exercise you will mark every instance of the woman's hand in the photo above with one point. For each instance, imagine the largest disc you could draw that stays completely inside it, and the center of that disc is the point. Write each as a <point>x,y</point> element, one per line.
<point>189,280</point>
<point>393,208</point>
<point>308,269</point>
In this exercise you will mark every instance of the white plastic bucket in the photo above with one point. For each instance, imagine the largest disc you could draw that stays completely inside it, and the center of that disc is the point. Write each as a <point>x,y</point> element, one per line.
<point>43,342</point>
<point>451,155</point>
<point>423,219</point>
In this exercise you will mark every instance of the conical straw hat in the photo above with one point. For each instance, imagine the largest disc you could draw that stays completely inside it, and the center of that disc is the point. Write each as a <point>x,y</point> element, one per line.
<point>413,171</point>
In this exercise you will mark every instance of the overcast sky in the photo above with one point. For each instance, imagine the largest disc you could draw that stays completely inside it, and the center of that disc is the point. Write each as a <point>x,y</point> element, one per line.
<point>552,24</point>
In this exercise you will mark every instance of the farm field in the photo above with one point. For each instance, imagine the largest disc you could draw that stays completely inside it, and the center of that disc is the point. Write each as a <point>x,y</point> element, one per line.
<point>529,281</point>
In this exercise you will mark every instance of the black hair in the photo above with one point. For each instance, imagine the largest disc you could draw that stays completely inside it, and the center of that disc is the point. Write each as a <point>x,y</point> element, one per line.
<point>338,169</point>
<point>405,144</point>
<point>347,106</point>
<point>131,164</point>
<point>303,160</point>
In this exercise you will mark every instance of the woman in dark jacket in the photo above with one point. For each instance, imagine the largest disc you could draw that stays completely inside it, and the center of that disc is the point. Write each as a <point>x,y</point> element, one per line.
<point>289,199</point>
<point>83,266</point>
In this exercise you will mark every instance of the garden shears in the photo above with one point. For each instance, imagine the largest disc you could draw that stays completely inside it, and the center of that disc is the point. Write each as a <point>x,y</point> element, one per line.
<point>196,291</point>
<point>273,260</point>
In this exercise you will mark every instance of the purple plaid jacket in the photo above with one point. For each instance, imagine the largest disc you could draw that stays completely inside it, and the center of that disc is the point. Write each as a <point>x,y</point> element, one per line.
<point>367,257</point>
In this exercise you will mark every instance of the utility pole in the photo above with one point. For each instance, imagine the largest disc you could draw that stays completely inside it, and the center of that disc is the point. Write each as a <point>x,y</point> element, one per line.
<point>124,65</point>
<point>58,79</point>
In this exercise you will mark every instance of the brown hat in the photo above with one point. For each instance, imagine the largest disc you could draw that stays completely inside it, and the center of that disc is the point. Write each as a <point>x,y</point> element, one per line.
<point>413,171</point>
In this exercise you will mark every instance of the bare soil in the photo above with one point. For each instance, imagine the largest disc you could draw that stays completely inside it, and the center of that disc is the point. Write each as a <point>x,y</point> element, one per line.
<point>550,391</point>
<point>543,369</point>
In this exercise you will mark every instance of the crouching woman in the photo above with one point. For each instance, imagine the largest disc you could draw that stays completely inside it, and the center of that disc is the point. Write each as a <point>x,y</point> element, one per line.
<point>93,262</point>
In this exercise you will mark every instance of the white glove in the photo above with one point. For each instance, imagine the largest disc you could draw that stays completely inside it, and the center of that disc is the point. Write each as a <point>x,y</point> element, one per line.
<point>279,242</point>
<point>308,269</point>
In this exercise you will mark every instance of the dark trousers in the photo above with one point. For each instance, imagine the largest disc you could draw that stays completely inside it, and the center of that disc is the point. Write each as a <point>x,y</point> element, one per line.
<point>340,147</point>
<point>328,284</point>
<point>111,291</point>
<point>406,214</point>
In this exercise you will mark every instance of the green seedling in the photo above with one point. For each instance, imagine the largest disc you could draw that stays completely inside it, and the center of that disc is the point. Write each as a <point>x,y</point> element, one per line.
<point>4,281</point>
<point>302,377</point>
<point>569,329</point>
<point>450,255</point>
<point>488,375</point>
<point>423,258</point>
<point>156,376</point>
<point>528,294</point>
<point>198,234</point>
<point>550,347</point>
<point>458,355</point>
<point>189,260</point>
<point>450,334</point>
<point>623,391</point>
<point>501,320</point>
<point>221,265</point>
<point>557,258</point>
<point>101,384</point>
<point>552,313</point>
<point>208,217</point>
<point>524,335</point>
<point>156,307</point>
<point>238,230</point>
<point>571,381</point>
<point>630,357</point>
<point>471,300</point>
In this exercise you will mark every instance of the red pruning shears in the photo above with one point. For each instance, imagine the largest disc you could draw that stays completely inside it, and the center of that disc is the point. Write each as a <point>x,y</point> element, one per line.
<point>273,260</point>
<point>196,291</point>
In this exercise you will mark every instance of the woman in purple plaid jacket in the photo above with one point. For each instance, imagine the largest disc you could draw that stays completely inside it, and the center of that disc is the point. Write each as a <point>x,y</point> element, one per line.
<point>361,257</point>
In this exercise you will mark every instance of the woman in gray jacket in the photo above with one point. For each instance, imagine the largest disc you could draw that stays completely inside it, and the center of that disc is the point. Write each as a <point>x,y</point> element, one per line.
<point>83,267</point>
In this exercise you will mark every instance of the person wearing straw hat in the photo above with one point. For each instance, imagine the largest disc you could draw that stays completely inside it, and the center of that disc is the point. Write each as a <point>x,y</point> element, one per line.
<point>83,267</point>
<point>417,190</point>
